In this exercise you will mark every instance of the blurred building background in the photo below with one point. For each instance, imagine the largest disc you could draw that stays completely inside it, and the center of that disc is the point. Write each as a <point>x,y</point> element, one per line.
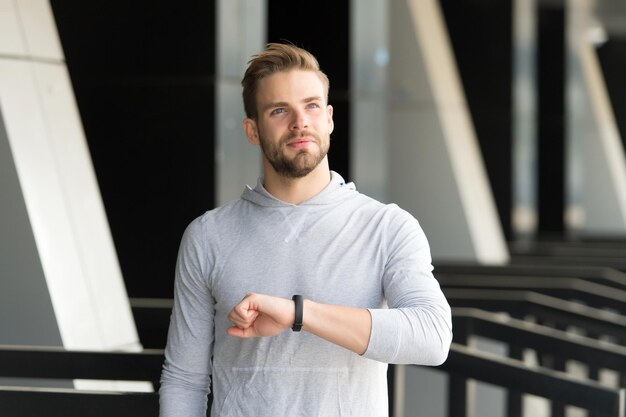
<point>497,123</point>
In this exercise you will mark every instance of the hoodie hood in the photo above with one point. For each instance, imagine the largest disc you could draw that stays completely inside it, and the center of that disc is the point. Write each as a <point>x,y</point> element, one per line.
<point>336,191</point>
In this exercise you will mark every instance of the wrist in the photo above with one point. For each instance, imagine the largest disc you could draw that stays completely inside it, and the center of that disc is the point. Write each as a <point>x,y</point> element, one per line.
<point>308,308</point>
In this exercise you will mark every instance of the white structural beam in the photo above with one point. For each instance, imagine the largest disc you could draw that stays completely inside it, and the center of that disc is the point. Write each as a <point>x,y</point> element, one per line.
<point>58,184</point>
<point>596,176</point>
<point>436,169</point>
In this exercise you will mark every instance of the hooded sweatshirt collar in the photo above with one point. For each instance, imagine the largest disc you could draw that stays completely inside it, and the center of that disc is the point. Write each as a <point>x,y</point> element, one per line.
<point>337,190</point>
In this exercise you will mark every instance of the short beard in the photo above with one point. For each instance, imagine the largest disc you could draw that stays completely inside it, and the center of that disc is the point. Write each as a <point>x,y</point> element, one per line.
<point>302,164</point>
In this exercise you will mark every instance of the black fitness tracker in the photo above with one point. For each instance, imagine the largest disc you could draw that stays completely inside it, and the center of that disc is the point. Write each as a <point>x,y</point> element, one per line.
<point>297,324</point>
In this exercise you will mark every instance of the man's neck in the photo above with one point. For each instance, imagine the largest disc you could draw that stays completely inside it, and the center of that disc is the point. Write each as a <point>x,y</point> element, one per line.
<point>297,190</point>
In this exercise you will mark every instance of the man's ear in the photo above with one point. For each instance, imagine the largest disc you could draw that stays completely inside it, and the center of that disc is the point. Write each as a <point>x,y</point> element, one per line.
<point>251,131</point>
<point>331,123</point>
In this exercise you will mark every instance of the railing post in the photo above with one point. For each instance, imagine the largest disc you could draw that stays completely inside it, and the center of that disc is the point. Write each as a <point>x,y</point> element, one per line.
<point>457,385</point>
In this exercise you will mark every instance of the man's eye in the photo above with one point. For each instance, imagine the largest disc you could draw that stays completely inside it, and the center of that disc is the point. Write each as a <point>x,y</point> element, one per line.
<point>278,111</point>
<point>312,105</point>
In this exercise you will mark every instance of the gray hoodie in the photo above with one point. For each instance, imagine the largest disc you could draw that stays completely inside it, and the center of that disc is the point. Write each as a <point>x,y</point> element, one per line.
<point>340,247</point>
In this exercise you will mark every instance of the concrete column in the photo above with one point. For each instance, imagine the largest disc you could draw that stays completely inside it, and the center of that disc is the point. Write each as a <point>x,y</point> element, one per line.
<point>435,167</point>
<point>369,47</point>
<point>524,216</point>
<point>241,32</point>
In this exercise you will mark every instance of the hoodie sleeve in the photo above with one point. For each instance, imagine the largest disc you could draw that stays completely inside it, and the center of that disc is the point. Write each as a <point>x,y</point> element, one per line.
<point>185,378</point>
<point>417,326</point>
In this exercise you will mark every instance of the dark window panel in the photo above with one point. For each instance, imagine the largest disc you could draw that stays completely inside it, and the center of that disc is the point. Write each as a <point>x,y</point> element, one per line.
<point>480,33</point>
<point>143,77</point>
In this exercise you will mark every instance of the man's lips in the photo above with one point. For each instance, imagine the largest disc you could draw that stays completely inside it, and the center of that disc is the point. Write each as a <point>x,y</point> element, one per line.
<point>300,142</point>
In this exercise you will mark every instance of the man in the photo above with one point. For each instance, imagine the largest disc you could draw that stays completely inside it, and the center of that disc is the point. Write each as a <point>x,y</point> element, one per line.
<point>303,250</point>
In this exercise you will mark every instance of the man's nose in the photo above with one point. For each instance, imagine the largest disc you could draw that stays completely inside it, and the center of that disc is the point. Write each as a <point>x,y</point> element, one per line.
<point>299,121</point>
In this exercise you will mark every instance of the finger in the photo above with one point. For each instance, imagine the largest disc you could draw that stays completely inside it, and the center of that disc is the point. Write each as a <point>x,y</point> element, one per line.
<point>235,331</point>
<point>240,322</point>
<point>253,316</point>
<point>242,333</point>
<point>234,318</point>
<point>242,311</point>
<point>243,321</point>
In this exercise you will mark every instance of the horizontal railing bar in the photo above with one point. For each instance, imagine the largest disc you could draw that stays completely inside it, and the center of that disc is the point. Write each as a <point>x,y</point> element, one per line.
<point>50,362</point>
<point>603,275</point>
<point>560,249</point>
<point>551,308</point>
<point>157,303</point>
<point>595,295</point>
<point>610,262</point>
<point>526,334</point>
<point>36,402</point>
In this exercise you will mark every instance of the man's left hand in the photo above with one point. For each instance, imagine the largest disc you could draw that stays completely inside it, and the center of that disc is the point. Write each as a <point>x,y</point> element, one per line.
<point>259,315</point>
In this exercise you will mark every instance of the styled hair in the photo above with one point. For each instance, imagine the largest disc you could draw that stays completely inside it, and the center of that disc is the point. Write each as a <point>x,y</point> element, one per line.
<point>275,58</point>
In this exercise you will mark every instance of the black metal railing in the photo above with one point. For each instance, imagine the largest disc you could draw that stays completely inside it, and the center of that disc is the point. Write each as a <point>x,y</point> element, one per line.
<point>50,363</point>
<point>464,362</point>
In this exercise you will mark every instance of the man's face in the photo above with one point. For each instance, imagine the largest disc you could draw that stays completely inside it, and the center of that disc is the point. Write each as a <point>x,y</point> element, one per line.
<point>294,122</point>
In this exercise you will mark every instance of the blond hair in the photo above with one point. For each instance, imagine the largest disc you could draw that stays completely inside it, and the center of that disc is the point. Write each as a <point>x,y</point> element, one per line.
<point>275,58</point>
